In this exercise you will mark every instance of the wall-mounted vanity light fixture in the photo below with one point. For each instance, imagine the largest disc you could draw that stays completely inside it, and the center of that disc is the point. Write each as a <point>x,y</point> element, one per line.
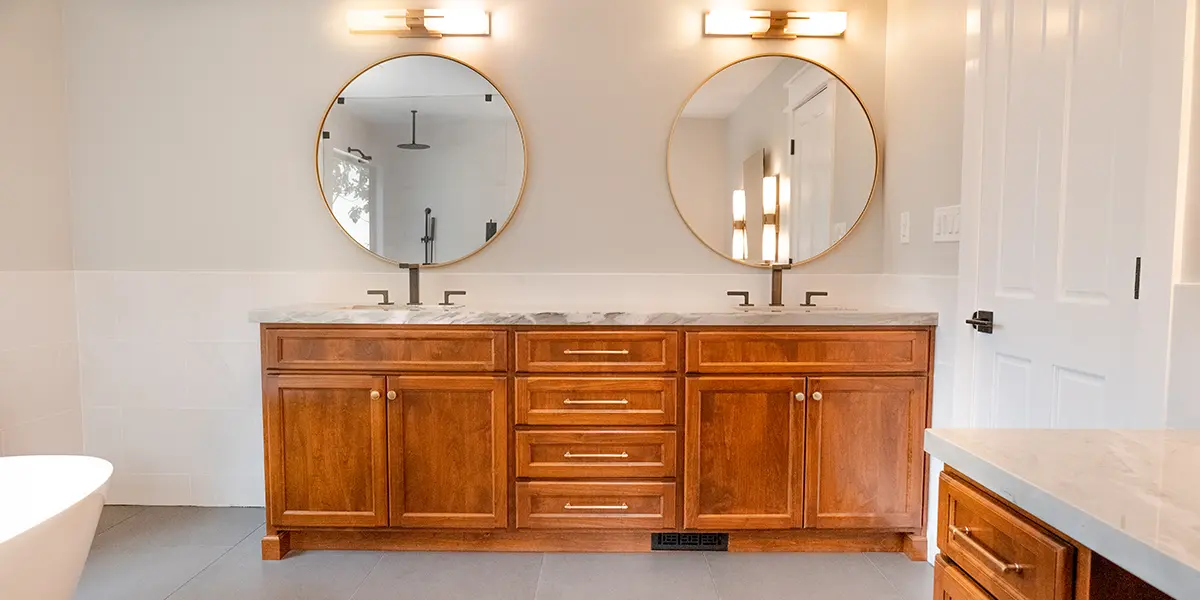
<point>775,24</point>
<point>741,246</point>
<point>770,245</point>
<point>417,22</point>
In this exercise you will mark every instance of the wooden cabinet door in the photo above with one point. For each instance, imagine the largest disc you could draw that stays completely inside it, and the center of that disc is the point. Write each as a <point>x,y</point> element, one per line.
<point>326,445</point>
<point>448,451</point>
<point>865,459</point>
<point>743,462</point>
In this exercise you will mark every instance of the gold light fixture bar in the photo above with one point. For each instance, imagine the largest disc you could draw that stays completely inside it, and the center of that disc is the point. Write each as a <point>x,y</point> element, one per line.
<point>420,23</point>
<point>775,24</point>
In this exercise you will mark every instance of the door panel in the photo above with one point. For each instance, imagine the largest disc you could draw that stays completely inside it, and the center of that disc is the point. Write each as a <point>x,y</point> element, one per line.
<point>326,450</point>
<point>865,467</point>
<point>447,451</point>
<point>744,439</point>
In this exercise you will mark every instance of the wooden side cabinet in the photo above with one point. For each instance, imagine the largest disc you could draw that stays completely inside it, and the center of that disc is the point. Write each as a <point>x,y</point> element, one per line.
<point>950,583</point>
<point>744,442</point>
<point>326,446</point>
<point>864,460</point>
<point>448,451</point>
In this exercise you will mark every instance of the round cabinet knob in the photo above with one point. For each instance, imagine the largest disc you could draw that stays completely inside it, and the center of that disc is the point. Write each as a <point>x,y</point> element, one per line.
<point>374,395</point>
<point>816,395</point>
<point>391,394</point>
<point>800,396</point>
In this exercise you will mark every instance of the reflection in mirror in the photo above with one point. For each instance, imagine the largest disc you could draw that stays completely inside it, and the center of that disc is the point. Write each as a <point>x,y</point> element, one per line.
<point>773,159</point>
<point>421,160</point>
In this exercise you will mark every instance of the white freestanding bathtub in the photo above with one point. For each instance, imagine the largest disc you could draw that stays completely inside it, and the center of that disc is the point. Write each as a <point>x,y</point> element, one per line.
<point>49,507</point>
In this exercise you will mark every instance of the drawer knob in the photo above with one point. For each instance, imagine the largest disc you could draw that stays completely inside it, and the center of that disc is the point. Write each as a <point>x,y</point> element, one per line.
<point>391,394</point>
<point>375,395</point>
<point>569,454</point>
<point>621,506</point>
<point>570,402</point>
<point>596,352</point>
<point>998,563</point>
<point>816,395</point>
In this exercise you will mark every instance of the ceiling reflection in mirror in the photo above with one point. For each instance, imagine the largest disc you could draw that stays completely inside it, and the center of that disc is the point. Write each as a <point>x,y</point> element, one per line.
<point>421,160</point>
<point>772,160</point>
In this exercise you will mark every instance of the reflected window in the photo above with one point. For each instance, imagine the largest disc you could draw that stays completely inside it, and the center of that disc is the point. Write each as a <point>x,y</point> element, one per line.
<point>350,193</point>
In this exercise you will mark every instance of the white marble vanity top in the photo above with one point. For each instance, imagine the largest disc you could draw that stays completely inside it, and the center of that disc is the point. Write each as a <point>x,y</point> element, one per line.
<point>467,315</point>
<point>1131,496</point>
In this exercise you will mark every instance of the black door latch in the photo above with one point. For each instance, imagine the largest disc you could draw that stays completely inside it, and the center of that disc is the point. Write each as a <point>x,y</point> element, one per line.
<point>982,321</point>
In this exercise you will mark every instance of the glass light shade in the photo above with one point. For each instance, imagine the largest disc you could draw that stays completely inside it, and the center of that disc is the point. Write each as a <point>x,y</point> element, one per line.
<point>444,22</point>
<point>770,245</point>
<point>739,243</point>
<point>750,22</point>
<point>770,195</point>
<point>739,205</point>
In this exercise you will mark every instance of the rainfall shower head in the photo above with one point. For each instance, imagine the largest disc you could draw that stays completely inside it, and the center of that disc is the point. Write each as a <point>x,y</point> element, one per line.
<point>414,145</point>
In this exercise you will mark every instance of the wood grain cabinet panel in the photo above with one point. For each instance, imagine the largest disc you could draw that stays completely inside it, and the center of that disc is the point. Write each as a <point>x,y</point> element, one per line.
<point>596,400</point>
<point>864,459</point>
<point>1008,555</point>
<point>631,351</point>
<point>743,464</point>
<point>808,352</point>
<point>950,583</point>
<point>347,349</point>
<point>607,505</point>
<point>447,451</point>
<point>572,454</point>
<point>326,446</point>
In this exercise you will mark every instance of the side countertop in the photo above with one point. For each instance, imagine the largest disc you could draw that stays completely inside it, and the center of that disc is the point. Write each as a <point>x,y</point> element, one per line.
<point>1131,496</point>
<point>466,315</point>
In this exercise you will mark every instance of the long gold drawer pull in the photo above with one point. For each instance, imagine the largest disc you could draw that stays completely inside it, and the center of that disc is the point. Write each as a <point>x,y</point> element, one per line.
<point>570,454</point>
<point>998,563</point>
<point>596,352</point>
<point>621,506</point>
<point>569,402</point>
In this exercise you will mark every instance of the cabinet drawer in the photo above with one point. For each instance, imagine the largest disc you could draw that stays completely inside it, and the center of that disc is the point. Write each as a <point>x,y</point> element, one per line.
<point>950,583</point>
<point>808,352</point>
<point>597,351</point>
<point>385,349</point>
<point>1007,554</point>
<point>609,505</point>
<point>595,454</point>
<point>596,401</point>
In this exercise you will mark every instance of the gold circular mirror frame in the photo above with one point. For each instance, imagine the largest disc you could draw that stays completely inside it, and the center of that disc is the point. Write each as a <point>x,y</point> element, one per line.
<point>520,129</point>
<point>874,135</point>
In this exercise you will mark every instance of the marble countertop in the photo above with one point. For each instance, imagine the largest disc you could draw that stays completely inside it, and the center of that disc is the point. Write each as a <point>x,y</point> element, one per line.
<point>467,315</point>
<point>1131,496</point>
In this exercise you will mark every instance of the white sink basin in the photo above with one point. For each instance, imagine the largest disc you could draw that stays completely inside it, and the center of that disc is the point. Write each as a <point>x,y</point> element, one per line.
<point>797,309</point>
<point>423,307</point>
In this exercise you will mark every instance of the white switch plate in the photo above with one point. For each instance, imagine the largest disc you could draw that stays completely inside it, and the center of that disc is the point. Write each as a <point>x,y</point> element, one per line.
<point>905,228</point>
<point>947,223</point>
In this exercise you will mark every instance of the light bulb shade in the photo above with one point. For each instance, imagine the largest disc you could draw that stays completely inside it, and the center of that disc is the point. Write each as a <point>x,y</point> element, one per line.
<point>740,245</point>
<point>739,205</point>
<point>770,243</point>
<point>420,23</point>
<point>757,23</point>
<point>771,195</point>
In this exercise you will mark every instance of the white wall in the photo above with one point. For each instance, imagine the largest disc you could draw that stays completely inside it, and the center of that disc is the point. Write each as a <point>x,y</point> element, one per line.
<point>701,181</point>
<point>39,374</point>
<point>926,57</point>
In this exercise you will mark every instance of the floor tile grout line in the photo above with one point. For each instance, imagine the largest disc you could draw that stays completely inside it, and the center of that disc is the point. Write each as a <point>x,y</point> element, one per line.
<point>358,587</point>
<point>214,561</point>
<point>140,510</point>
<point>537,588</point>
<point>889,581</point>
<point>712,576</point>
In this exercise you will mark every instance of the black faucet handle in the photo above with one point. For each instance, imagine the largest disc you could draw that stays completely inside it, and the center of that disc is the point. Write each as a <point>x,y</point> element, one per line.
<point>446,301</point>
<point>386,297</point>
<point>745,297</point>
<point>808,297</point>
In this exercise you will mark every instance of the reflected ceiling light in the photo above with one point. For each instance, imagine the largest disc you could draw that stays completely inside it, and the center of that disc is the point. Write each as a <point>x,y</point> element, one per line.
<point>775,24</point>
<point>770,240</point>
<point>418,22</point>
<point>740,243</point>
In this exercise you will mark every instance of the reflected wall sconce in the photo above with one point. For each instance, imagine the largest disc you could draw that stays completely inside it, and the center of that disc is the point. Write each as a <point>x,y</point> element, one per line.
<point>740,244</point>
<point>420,23</point>
<point>770,245</point>
<point>774,24</point>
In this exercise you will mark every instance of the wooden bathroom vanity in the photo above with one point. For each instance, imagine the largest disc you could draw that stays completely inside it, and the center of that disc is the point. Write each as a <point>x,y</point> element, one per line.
<point>536,437</point>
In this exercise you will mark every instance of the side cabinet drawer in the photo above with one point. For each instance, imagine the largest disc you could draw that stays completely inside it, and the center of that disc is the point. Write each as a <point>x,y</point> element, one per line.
<point>1007,554</point>
<point>597,351</point>
<point>349,349</point>
<point>596,400</point>
<point>950,583</point>
<point>813,352</point>
<point>615,505</point>
<point>595,454</point>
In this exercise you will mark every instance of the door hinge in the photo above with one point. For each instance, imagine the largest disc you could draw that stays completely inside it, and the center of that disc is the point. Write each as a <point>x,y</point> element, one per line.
<point>793,150</point>
<point>1137,279</point>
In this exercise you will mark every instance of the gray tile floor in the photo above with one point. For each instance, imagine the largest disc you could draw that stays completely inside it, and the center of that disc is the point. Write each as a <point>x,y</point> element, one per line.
<point>213,553</point>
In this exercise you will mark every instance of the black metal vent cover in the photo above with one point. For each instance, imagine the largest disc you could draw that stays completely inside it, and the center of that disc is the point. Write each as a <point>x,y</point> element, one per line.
<point>706,542</point>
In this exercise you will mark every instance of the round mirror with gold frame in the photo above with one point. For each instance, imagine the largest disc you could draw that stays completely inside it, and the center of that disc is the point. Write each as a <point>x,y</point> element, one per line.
<point>421,160</point>
<point>773,159</point>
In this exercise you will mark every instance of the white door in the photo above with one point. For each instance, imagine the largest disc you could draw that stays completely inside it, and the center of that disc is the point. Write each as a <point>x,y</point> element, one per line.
<point>1054,196</point>
<point>812,175</point>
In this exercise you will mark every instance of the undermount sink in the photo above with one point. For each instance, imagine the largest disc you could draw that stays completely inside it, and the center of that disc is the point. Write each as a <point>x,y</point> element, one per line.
<point>424,307</point>
<point>796,309</point>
